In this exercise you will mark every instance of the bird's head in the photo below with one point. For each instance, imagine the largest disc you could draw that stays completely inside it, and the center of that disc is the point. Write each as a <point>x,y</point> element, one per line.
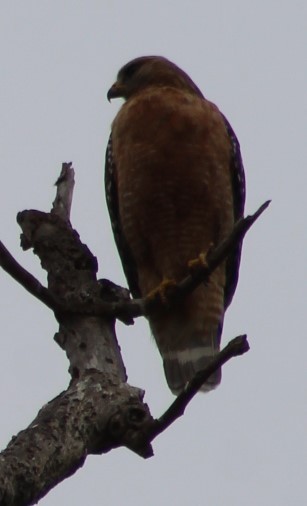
<point>149,71</point>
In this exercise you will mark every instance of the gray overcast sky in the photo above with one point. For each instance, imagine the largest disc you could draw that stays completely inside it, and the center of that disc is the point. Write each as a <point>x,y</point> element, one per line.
<point>245,443</point>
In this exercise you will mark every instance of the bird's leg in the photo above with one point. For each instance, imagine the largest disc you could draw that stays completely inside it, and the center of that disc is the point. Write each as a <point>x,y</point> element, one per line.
<point>162,290</point>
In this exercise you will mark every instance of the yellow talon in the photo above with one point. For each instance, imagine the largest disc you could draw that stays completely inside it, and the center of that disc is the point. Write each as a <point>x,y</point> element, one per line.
<point>198,263</point>
<point>161,290</point>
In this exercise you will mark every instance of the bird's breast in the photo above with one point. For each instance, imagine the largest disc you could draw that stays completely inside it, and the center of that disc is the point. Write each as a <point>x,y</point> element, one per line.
<point>172,156</point>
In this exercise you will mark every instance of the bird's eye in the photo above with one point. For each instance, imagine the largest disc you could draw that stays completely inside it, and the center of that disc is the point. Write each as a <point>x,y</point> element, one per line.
<point>130,70</point>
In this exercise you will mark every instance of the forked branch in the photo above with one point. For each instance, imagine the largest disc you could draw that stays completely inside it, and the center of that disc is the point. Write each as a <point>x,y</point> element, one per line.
<point>99,405</point>
<point>124,308</point>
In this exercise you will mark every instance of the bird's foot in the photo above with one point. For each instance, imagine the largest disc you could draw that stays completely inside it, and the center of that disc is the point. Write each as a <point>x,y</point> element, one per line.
<point>161,292</point>
<point>199,263</point>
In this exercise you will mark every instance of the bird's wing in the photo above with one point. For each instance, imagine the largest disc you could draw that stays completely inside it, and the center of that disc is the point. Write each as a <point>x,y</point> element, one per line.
<point>113,207</point>
<point>238,189</point>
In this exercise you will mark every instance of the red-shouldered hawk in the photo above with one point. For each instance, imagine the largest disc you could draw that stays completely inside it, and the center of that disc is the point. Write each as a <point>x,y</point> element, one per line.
<point>174,187</point>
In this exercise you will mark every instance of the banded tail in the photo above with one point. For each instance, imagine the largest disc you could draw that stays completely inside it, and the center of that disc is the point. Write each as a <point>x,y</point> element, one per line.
<point>180,366</point>
<point>189,336</point>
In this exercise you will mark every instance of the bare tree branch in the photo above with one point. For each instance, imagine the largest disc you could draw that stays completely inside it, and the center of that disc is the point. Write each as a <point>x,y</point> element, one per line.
<point>27,280</point>
<point>124,308</point>
<point>237,346</point>
<point>99,411</point>
<point>65,188</point>
<point>61,207</point>
<point>93,416</point>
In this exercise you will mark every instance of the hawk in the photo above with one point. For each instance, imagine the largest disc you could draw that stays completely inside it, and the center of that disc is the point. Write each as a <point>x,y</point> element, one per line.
<point>175,186</point>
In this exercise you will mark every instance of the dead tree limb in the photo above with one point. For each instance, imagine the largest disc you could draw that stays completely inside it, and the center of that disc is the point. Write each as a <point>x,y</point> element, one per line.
<point>99,410</point>
<point>65,189</point>
<point>237,346</point>
<point>125,309</point>
<point>22,276</point>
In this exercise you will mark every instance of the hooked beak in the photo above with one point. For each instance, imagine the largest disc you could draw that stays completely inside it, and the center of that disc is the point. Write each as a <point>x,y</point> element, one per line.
<point>116,91</point>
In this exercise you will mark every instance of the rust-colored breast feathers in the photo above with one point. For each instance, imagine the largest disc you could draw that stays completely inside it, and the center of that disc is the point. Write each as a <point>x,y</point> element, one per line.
<point>172,155</point>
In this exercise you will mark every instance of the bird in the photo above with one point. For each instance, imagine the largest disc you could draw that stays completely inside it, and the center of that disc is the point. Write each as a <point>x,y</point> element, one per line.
<point>175,186</point>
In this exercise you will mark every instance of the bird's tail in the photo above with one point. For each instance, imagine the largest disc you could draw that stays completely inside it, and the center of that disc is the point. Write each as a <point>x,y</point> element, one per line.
<point>181,365</point>
<point>188,339</point>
